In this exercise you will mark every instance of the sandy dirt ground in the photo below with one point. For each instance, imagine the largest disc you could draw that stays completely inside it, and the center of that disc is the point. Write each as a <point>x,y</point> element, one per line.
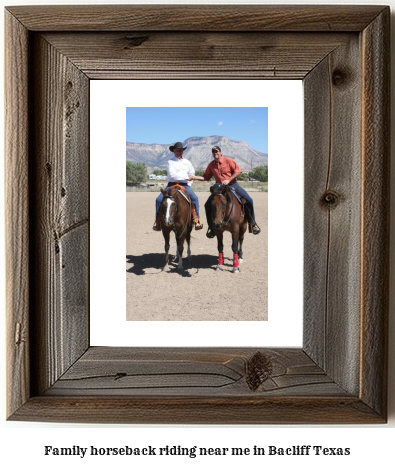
<point>200,292</point>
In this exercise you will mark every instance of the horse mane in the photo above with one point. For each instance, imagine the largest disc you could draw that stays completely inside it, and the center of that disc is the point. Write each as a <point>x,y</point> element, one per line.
<point>172,191</point>
<point>217,189</point>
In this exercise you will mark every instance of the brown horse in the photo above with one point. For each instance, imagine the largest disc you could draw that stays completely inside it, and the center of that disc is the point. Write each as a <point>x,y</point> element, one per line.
<point>227,214</point>
<point>175,214</point>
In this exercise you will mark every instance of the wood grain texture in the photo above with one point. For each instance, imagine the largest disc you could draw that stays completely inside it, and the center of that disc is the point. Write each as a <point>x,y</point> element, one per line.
<point>201,410</point>
<point>17,213</point>
<point>332,214</point>
<point>196,17</point>
<point>339,376</point>
<point>209,55</point>
<point>376,211</point>
<point>60,184</point>
<point>193,372</point>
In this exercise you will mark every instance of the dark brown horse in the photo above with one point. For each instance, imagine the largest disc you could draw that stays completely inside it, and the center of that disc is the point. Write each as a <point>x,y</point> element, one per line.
<point>227,214</point>
<point>175,215</point>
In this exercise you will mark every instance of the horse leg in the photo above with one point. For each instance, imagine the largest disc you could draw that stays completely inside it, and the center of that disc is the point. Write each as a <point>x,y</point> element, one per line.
<point>180,249</point>
<point>235,246</point>
<point>220,239</point>
<point>166,236</point>
<point>240,251</point>
<point>243,228</point>
<point>188,238</point>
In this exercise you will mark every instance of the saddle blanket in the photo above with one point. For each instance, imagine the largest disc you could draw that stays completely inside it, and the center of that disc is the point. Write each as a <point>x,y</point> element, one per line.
<point>236,195</point>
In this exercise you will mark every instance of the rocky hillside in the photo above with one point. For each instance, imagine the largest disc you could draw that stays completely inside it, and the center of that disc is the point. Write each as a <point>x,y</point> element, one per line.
<point>155,156</point>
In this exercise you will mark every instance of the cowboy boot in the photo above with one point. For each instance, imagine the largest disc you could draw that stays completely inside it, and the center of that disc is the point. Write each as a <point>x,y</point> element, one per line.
<point>195,220</point>
<point>255,229</point>
<point>252,225</point>
<point>156,225</point>
<point>210,231</point>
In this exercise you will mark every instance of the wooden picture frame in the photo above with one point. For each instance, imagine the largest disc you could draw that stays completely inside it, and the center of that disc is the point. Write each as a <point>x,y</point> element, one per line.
<point>340,374</point>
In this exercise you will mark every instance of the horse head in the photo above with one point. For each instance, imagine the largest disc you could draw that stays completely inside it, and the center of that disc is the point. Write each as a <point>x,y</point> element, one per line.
<point>219,200</point>
<point>169,206</point>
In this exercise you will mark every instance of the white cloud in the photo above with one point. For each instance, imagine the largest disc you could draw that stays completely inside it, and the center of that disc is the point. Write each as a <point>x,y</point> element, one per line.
<point>220,123</point>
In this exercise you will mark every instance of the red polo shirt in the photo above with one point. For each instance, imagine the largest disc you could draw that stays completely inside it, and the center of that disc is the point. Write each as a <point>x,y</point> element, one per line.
<point>222,170</point>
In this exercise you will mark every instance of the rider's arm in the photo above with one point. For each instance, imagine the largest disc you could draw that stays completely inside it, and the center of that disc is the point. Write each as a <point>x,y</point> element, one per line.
<point>196,178</point>
<point>234,176</point>
<point>206,175</point>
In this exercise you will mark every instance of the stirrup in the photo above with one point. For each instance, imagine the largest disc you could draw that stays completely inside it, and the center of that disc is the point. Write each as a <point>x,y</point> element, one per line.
<point>198,225</point>
<point>156,227</point>
<point>210,233</point>
<point>255,229</point>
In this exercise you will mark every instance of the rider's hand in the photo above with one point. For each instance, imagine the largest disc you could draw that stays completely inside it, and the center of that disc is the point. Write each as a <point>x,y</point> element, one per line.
<point>225,182</point>
<point>190,177</point>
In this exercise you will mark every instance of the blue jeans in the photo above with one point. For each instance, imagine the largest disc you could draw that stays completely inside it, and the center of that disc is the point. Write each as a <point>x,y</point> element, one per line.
<point>188,190</point>
<point>249,202</point>
<point>241,192</point>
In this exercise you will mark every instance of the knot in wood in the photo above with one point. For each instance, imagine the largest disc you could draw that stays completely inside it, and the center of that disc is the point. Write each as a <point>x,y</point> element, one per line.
<point>135,41</point>
<point>330,199</point>
<point>339,77</point>
<point>259,369</point>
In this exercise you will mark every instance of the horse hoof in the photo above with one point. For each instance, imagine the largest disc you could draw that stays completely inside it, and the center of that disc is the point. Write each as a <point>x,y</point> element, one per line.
<point>166,269</point>
<point>220,267</point>
<point>240,260</point>
<point>236,270</point>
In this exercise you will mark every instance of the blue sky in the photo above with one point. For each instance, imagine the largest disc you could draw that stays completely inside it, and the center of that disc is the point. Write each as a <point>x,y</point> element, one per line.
<point>169,125</point>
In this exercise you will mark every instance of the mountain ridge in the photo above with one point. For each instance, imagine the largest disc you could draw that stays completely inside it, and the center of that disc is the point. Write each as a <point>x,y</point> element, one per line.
<point>198,152</point>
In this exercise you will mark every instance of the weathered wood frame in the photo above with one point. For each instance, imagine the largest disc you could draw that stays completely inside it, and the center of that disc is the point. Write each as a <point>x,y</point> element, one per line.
<point>340,374</point>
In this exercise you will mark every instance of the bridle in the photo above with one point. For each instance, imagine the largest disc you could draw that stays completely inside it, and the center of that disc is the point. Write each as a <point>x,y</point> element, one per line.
<point>167,196</point>
<point>229,191</point>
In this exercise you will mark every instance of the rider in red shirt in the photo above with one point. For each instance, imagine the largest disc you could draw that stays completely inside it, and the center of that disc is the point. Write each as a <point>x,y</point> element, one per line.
<point>225,171</point>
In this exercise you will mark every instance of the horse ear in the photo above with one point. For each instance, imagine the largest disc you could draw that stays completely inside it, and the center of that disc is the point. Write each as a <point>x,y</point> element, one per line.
<point>216,188</point>
<point>162,191</point>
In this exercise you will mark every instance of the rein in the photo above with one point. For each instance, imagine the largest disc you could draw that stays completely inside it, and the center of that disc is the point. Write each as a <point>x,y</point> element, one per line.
<point>231,209</point>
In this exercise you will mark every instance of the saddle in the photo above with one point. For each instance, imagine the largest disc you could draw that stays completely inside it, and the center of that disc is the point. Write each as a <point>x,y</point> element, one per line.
<point>223,188</point>
<point>182,191</point>
<point>177,186</point>
<point>184,194</point>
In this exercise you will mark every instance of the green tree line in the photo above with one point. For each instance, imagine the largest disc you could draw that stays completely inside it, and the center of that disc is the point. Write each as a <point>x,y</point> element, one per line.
<point>137,173</point>
<point>259,173</point>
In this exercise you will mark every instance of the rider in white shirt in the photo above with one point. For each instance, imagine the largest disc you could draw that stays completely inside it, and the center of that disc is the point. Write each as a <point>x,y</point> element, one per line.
<point>178,169</point>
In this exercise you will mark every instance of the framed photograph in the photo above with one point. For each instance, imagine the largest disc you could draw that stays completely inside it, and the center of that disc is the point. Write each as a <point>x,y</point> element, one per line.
<point>198,293</point>
<point>339,374</point>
